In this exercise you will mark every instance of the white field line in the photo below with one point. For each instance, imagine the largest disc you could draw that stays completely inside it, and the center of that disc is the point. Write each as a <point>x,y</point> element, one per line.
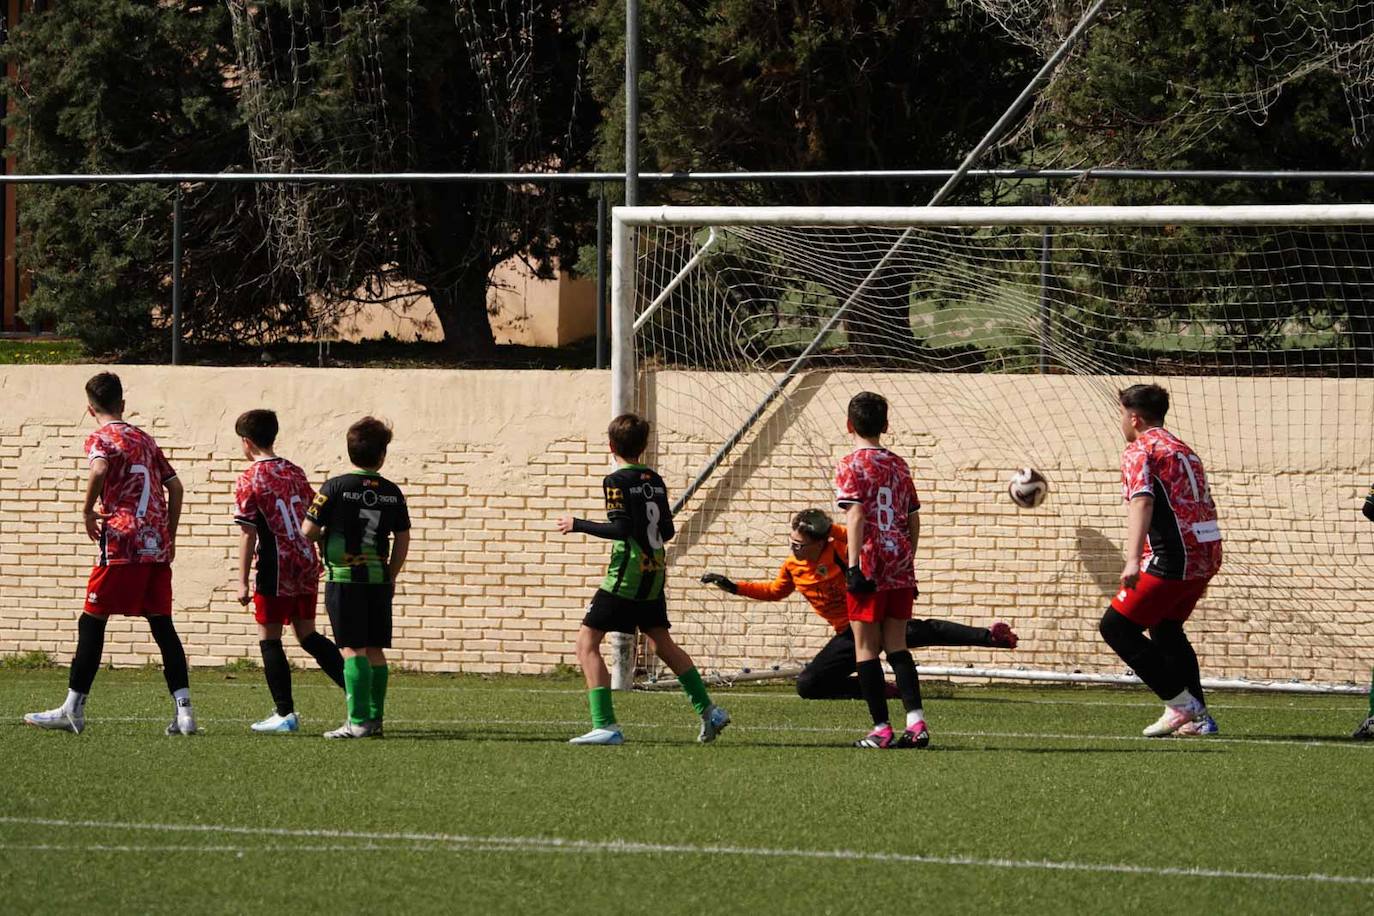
<point>736,728</point>
<point>200,685</point>
<point>441,842</point>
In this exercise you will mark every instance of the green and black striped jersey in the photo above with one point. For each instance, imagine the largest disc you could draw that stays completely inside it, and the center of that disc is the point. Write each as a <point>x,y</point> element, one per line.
<point>640,523</point>
<point>359,513</point>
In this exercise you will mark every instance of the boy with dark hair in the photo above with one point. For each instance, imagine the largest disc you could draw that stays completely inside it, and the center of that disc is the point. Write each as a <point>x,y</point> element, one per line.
<point>136,527</point>
<point>883,524</point>
<point>631,594</point>
<point>270,500</point>
<point>1173,549</point>
<point>817,570</point>
<point>357,517</point>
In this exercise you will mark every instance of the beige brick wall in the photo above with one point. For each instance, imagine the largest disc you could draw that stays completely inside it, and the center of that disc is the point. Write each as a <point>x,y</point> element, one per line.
<point>489,459</point>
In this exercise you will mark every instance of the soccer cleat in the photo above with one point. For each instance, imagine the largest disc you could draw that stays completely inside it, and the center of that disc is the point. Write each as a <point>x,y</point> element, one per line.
<point>182,725</point>
<point>276,724</point>
<point>1199,728</point>
<point>916,736</point>
<point>713,722</point>
<point>880,737</point>
<point>609,735</point>
<point>376,726</point>
<point>58,720</point>
<point>1174,718</point>
<point>1003,636</point>
<point>1366,730</point>
<point>351,730</point>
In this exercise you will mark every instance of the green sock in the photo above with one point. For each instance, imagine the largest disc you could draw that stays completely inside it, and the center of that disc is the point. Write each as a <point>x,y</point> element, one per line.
<point>696,689</point>
<point>603,710</point>
<point>378,705</point>
<point>358,687</point>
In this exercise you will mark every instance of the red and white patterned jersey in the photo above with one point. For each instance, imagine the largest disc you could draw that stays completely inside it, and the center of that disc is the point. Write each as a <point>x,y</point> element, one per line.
<point>272,497</point>
<point>880,481</point>
<point>133,496</point>
<point>1184,541</point>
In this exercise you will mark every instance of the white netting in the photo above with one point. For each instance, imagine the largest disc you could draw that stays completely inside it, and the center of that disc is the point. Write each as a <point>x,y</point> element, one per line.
<point>1004,347</point>
<point>1280,43</point>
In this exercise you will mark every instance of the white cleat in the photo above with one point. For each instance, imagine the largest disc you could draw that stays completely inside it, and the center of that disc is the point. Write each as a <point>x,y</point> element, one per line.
<point>278,725</point>
<point>1174,718</point>
<point>713,722</point>
<point>58,720</point>
<point>182,725</point>
<point>351,730</point>
<point>608,735</point>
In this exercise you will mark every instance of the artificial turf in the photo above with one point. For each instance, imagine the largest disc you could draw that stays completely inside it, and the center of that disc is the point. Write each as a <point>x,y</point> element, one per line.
<point>1028,801</point>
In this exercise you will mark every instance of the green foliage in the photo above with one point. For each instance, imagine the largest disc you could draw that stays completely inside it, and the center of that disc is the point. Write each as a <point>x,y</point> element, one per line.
<point>25,352</point>
<point>33,660</point>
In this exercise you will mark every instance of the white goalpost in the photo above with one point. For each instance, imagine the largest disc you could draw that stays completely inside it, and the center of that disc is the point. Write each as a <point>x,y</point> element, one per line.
<point>1000,336</point>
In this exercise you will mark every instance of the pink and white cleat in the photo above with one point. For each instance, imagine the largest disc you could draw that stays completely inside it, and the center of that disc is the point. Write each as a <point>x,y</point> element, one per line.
<point>880,737</point>
<point>1199,728</point>
<point>1174,718</point>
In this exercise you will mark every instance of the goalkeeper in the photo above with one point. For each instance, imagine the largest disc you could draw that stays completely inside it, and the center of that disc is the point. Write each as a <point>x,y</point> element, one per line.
<point>817,570</point>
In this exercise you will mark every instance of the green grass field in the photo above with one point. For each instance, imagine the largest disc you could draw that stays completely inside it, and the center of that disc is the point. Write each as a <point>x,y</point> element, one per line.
<point>1028,801</point>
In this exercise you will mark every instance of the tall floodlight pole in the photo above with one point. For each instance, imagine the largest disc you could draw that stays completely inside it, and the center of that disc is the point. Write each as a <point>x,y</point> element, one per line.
<point>622,281</point>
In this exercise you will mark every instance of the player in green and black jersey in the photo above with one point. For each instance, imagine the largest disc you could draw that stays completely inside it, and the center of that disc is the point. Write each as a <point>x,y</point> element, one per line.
<point>363,525</point>
<point>630,598</point>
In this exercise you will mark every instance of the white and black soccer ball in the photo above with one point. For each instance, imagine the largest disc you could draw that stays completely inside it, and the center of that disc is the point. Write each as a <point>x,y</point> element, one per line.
<point>1028,488</point>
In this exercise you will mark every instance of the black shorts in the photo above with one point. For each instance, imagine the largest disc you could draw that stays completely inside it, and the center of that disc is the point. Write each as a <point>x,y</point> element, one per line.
<point>360,614</point>
<point>613,614</point>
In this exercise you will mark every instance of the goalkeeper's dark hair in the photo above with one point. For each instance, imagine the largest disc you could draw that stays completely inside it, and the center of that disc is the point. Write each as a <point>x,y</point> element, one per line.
<point>629,435</point>
<point>868,413</point>
<point>104,392</point>
<point>258,427</point>
<point>1150,401</point>
<point>367,442</point>
<point>813,523</point>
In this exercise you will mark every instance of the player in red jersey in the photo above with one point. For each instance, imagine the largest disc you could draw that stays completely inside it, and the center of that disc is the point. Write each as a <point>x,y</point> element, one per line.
<point>1173,548</point>
<point>873,486</point>
<point>270,501</point>
<point>136,529</point>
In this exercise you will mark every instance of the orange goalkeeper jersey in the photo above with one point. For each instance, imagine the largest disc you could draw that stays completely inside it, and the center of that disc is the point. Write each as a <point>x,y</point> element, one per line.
<point>821,583</point>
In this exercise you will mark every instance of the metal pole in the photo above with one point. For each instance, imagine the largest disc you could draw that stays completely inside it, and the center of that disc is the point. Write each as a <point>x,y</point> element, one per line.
<point>601,304</point>
<point>622,395</point>
<point>1015,109</point>
<point>631,103</point>
<point>1046,316</point>
<point>176,276</point>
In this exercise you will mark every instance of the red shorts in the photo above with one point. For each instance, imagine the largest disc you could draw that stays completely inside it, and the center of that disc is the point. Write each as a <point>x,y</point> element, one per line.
<point>875,607</point>
<point>1154,600</point>
<point>134,589</point>
<point>283,609</point>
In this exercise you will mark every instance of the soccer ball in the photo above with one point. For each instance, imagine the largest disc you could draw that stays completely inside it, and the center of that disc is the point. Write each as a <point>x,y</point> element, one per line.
<point>1028,488</point>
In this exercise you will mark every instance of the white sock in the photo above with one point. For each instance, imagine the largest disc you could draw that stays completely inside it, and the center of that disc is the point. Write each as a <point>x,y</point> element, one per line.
<point>76,702</point>
<point>1183,700</point>
<point>914,717</point>
<point>182,698</point>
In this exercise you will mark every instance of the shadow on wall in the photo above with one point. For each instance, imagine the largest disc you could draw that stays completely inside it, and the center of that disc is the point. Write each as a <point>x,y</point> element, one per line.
<point>1101,557</point>
<point>740,466</point>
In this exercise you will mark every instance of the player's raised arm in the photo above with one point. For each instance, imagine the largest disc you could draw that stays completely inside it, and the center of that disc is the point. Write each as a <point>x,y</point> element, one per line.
<point>617,528</point>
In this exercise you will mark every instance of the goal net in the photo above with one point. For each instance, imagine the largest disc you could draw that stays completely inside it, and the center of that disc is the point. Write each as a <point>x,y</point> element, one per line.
<point>1000,337</point>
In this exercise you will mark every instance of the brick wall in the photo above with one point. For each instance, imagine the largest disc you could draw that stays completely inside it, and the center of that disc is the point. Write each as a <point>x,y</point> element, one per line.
<point>489,459</point>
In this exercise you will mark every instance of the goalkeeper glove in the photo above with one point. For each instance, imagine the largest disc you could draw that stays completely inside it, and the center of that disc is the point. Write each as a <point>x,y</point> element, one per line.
<point>857,582</point>
<point>720,582</point>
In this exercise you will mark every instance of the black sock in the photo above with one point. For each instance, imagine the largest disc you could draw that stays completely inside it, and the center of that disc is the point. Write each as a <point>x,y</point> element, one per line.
<point>90,645</point>
<point>1173,642</point>
<point>874,690</point>
<point>278,672</point>
<point>908,681</point>
<point>1128,640</point>
<point>326,655</point>
<point>174,669</point>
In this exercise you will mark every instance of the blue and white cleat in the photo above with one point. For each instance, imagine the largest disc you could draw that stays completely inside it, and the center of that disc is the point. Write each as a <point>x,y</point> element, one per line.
<point>609,735</point>
<point>58,720</point>
<point>713,722</point>
<point>1200,728</point>
<point>1366,730</point>
<point>276,724</point>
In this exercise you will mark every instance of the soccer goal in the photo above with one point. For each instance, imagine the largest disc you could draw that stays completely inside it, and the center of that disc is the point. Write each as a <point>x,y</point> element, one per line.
<point>1000,337</point>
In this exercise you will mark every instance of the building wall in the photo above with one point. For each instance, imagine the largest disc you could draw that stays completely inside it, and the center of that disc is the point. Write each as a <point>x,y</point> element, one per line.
<point>490,459</point>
